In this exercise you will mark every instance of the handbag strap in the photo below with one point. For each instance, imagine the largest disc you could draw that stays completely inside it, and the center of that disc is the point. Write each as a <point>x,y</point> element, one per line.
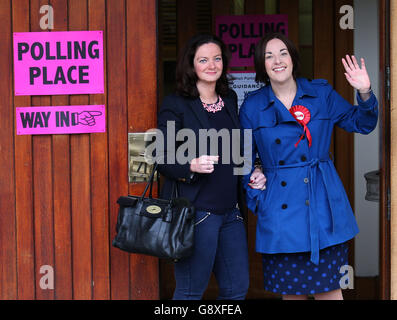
<point>150,183</point>
<point>174,192</point>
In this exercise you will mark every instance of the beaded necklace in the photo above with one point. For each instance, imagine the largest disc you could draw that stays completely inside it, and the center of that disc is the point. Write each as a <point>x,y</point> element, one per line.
<point>214,107</point>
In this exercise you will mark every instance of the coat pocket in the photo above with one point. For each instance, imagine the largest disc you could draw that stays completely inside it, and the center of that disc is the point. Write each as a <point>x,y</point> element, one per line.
<point>321,118</point>
<point>265,196</point>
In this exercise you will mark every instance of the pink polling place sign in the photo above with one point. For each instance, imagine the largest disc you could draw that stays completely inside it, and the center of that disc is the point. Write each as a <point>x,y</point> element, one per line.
<point>242,33</point>
<point>61,119</point>
<point>65,62</point>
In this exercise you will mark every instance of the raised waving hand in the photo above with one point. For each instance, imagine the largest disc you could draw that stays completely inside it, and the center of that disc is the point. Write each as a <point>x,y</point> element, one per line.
<point>357,76</point>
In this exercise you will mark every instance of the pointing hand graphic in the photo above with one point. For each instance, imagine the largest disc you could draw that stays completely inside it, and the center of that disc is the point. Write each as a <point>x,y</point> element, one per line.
<point>88,117</point>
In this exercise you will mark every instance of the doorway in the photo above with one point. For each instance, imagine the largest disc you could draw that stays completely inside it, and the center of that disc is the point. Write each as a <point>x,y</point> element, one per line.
<point>315,27</point>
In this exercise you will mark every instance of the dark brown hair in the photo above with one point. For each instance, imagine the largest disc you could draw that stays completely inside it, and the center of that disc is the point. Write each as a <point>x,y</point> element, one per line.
<point>259,59</point>
<point>186,77</point>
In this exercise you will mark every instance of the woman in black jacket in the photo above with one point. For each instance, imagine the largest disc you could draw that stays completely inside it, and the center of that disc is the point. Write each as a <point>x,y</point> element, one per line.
<point>202,110</point>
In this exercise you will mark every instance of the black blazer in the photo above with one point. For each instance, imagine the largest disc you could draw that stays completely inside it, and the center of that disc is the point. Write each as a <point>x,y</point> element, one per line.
<point>189,113</point>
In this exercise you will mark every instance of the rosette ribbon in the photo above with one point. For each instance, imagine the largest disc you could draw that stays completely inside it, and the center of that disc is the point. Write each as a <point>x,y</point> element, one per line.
<point>302,115</point>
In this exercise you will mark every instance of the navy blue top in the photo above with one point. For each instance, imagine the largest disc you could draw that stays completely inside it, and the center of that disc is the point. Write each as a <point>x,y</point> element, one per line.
<point>211,197</point>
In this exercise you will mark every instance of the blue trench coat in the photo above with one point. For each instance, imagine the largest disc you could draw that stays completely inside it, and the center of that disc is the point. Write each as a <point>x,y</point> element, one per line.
<point>304,206</point>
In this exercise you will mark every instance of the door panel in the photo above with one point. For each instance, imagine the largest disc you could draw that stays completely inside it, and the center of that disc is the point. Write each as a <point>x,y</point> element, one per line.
<point>384,121</point>
<point>58,192</point>
<point>321,58</point>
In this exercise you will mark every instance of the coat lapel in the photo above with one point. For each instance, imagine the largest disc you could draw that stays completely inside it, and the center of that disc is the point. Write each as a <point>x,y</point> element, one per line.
<point>304,89</point>
<point>200,113</point>
<point>231,109</point>
<point>283,113</point>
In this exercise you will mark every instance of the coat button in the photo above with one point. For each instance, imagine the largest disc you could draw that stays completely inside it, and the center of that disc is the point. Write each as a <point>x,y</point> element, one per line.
<point>307,202</point>
<point>281,162</point>
<point>306,180</point>
<point>284,206</point>
<point>283,183</point>
<point>278,141</point>
<point>303,158</point>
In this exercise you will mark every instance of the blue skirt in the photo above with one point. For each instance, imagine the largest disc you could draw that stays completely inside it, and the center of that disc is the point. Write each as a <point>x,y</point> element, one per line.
<point>294,273</point>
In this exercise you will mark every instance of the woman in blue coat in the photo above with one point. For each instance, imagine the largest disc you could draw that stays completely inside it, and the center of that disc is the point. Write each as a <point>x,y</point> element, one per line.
<point>304,216</point>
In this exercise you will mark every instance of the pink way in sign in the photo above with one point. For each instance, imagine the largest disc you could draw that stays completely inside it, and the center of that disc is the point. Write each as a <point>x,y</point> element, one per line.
<point>66,62</point>
<point>61,119</point>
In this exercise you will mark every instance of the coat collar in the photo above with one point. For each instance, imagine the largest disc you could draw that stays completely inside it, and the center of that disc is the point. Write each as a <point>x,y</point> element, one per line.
<point>304,88</point>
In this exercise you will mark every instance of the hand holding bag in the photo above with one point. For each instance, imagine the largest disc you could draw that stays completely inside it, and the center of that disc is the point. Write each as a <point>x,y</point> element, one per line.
<point>156,227</point>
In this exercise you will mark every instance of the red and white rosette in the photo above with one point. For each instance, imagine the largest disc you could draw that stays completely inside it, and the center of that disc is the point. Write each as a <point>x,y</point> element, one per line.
<point>302,115</point>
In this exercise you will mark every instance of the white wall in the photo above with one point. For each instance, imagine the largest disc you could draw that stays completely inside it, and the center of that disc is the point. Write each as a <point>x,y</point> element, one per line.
<point>366,151</point>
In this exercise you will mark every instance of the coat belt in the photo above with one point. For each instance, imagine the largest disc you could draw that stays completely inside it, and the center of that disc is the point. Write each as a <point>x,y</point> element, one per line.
<point>313,217</point>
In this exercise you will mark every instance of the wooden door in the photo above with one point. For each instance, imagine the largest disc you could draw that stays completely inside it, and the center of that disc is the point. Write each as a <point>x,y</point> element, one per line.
<point>58,192</point>
<point>384,122</point>
<point>314,28</point>
<point>392,6</point>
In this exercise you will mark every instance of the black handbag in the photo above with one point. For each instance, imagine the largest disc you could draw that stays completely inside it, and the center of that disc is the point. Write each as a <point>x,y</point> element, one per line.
<point>156,227</point>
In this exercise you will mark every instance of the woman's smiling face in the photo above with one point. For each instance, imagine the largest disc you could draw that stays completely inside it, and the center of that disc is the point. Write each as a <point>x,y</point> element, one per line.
<point>278,62</point>
<point>208,63</point>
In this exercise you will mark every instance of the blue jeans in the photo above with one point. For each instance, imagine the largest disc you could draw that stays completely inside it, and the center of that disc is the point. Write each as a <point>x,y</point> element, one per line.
<point>221,247</point>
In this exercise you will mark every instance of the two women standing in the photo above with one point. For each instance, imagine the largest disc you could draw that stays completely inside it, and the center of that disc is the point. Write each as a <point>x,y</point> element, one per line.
<point>304,217</point>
